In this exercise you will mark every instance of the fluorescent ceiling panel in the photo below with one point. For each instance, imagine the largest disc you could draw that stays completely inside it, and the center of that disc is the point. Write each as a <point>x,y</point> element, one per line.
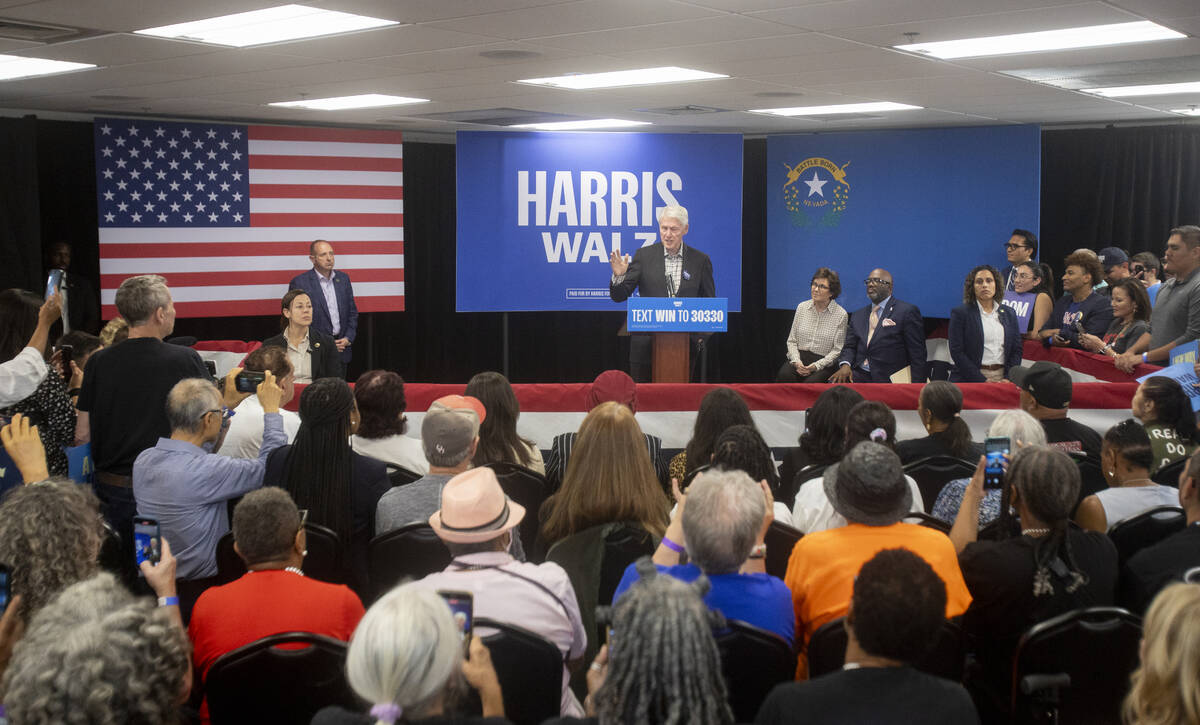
<point>16,66</point>
<point>269,25</point>
<point>1066,39</point>
<point>1154,89</point>
<point>843,108</point>
<point>342,103</point>
<point>613,79</point>
<point>1193,111</point>
<point>581,125</point>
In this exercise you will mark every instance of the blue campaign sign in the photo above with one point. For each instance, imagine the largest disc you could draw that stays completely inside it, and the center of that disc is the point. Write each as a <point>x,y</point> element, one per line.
<point>539,213</point>
<point>927,205</point>
<point>677,314</point>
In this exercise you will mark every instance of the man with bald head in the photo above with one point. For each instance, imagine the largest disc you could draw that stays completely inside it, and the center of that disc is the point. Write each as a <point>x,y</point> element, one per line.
<point>332,295</point>
<point>882,338</point>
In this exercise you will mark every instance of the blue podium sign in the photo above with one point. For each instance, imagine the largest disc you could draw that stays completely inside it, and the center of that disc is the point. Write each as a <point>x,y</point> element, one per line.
<point>678,314</point>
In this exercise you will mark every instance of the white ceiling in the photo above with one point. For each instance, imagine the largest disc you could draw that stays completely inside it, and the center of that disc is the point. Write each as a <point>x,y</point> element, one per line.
<point>777,52</point>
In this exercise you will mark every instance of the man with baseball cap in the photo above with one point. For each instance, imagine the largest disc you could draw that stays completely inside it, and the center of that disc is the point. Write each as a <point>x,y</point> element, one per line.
<point>1115,262</point>
<point>476,522</point>
<point>1046,395</point>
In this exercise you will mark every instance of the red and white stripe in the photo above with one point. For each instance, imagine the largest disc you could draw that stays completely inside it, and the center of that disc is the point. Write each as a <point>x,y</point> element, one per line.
<point>342,185</point>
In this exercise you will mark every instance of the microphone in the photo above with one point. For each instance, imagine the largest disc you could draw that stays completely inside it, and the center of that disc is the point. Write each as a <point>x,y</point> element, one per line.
<point>670,286</point>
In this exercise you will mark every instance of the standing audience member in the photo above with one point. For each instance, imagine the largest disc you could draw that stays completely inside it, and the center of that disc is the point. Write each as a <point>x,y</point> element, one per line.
<point>742,448</point>
<point>883,338</point>
<point>114,332</point>
<point>720,408</point>
<point>381,434</point>
<point>1080,309</point>
<point>1020,248</point>
<point>1125,460</point>
<point>1166,411</point>
<point>406,659</point>
<point>1115,263</point>
<point>818,333</point>
<point>312,353</point>
<point>1031,297</point>
<point>48,405</point>
<point>1176,316</point>
<point>499,441</point>
<point>985,341</point>
<point>1046,395</point>
<point>245,435</point>
<point>1163,689</point>
<point>79,296</point>
<point>1131,315</point>
<point>897,609</point>
<point>822,441</point>
<point>21,374</point>
<point>334,311</point>
<point>1154,567</point>
<point>1148,270</point>
<point>939,407</point>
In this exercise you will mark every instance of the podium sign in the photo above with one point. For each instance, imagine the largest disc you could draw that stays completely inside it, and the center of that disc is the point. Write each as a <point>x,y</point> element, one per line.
<point>677,314</point>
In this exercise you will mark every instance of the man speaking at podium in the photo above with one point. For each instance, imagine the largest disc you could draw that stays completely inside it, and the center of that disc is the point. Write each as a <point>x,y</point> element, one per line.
<point>664,269</point>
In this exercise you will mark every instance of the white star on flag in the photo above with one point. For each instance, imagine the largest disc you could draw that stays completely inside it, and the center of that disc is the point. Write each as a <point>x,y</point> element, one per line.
<point>815,184</point>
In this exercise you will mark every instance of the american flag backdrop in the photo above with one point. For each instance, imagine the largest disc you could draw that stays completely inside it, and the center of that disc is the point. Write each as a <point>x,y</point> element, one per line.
<point>226,212</point>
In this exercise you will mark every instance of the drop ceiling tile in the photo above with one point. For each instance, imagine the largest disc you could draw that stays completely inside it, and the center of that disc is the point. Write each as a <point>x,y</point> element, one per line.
<point>126,16</point>
<point>873,13</point>
<point>683,33</point>
<point>227,61</point>
<point>577,17</point>
<point>425,11</point>
<point>1161,9</point>
<point>1178,48</point>
<point>748,6</point>
<point>730,55</point>
<point>460,58</point>
<point>955,26</point>
<point>87,81</point>
<point>381,42</point>
<point>119,49</point>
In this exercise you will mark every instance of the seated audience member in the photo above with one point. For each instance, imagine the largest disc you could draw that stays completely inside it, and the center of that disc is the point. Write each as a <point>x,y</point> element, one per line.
<point>867,488</point>
<point>21,374</point>
<point>1046,395</point>
<point>610,385</point>
<point>883,338</point>
<point>50,537</point>
<point>312,353</point>
<point>476,522</point>
<point>1021,429</point>
<point>406,659</point>
<point>1050,568</point>
<point>818,333</point>
<point>1080,309</point>
<point>185,488</point>
<point>1020,248</point>
<point>822,441</point>
<point>114,332</point>
<point>722,527</point>
<point>273,596</point>
<point>244,437</point>
<point>1176,316</point>
<point>1030,297</point>
<point>1131,314</point>
<point>499,441</point>
<point>1163,689</point>
<point>1125,460</point>
<point>939,408</point>
<point>720,408</point>
<point>1115,263</point>
<point>49,403</point>
<point>338,487</point>
<point>381,432</point>
<point>1148,270</point>
<point>1165,410</point>
<point>815,508</point>
<point>609,479</point>
<point>897,609</point>
<point>1154,567</point>
<point>742,448</point>
<point>985,341</point>
<point>97,655</point>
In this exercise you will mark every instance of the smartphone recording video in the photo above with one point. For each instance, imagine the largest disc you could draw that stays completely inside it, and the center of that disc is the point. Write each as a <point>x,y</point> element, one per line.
<point>147,540</point>
<point>462,606</point>
<point>993,472</point>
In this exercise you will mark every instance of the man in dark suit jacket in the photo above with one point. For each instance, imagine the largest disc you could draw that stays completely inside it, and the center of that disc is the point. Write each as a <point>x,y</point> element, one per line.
<point>664,269</point>
<point>898,340</point>
<point>332,297</point>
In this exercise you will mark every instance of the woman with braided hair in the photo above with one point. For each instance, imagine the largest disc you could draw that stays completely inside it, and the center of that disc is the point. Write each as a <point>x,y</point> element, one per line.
<point>1048,568</point>
<point>660,666</point>
<point>337,486</point>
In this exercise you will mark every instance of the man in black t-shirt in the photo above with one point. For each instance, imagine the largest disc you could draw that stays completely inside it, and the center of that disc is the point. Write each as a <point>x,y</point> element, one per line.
<point>1153,568</point>
<point>898,606</point>
<point>1046,395</point>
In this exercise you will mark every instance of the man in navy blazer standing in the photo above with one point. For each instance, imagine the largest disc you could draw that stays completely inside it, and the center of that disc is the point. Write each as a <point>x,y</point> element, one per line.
<point>332,295</point>
<point>882,338</point>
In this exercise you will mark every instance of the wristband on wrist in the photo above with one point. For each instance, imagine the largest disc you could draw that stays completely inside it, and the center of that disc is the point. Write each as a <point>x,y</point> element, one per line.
<point>73,392</point>
<point>168,601</point>
<point>672,545</point>
<point>1144,356</point>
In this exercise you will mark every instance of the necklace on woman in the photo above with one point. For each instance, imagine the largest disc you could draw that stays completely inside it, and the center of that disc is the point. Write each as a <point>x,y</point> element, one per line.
<point>294,570</point>
<point>1034,532</point>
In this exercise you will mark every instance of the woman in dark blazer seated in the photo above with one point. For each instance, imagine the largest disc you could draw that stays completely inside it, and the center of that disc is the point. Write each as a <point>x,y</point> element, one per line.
<point>313,354</point>
<point>984,340</point>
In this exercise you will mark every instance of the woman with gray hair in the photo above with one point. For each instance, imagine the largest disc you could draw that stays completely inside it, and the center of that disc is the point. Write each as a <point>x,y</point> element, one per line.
<point>406,659</point>
<point>97,655</point>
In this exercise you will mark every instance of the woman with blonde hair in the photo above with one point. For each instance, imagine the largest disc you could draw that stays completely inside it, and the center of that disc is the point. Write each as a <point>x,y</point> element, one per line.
<point>609,478</point>
<point>1164,690</point>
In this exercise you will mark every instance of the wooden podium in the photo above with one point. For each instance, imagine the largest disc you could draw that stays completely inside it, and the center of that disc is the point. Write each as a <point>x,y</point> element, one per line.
<point>672,357</point>
<point>671,321</point>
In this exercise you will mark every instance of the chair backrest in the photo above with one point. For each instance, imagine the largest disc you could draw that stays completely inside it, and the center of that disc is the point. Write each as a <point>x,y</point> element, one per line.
<point>780,541</point>
<point>921,518</point>
<point>262,682</point>
<point>325,558</point>
<point>622,547</point>
<point>529,668</point>
<point>934,472</point>
<point>399,475</point>
<point>1091,479</point>
<point>946,657</point>
<point>753,661</point>
<point>1096,647</point>
<point>527,488</point>
<point>1146,529</point>
<point>1169,475</point>
<point>229,565</point>
<point>411,551</point>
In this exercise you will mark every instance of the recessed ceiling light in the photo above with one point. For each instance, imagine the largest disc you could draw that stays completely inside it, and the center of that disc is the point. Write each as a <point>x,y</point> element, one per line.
<point>612,79</point>
<point>269,25</point>
<point>1156,89</point>
<point>1193,111</point>
<point>843,108</point>
<point>1065,39</point>
<point>16,66</point>
<point>581,125</point>
<point>342,103</point>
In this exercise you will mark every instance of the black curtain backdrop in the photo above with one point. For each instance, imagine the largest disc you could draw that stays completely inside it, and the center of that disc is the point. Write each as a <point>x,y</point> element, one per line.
<point>1122,186</point>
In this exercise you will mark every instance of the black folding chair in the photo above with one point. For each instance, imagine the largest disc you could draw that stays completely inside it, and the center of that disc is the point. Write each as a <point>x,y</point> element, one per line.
<point>409,552</point>
<point>780,541</point>
<point>1169,475</point>
<point>399,475</point>
<point>934,472</point>
<point>529,668</point>
<point>921,518</point>
<point>753,661</point>
<point>229,565</point>
<point>1091,479</point>
<point>323,562</point>
<point>1146,529</point>
<point>262,682</point>
<point>527,488</point>
<point>946,656</point>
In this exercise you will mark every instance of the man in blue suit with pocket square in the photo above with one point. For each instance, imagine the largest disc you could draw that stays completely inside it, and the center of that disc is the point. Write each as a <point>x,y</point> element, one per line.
<point>882,338</point>
<point>332,295</point>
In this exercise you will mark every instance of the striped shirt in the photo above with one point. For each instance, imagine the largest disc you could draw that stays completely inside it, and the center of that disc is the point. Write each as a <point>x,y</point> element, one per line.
<point>674,269</point>
<point>821,333</point>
